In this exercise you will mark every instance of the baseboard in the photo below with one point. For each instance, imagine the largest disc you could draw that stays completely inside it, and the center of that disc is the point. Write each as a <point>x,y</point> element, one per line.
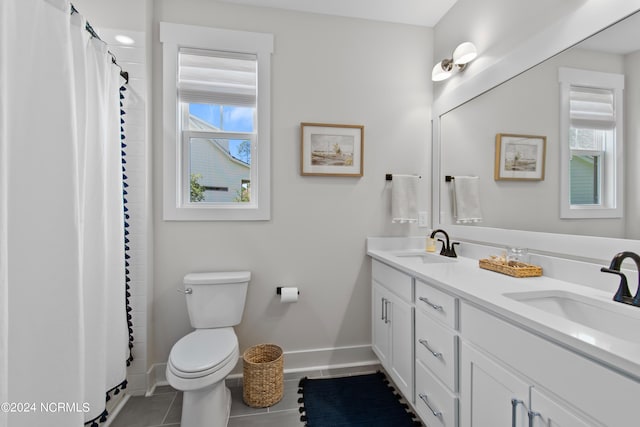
<point>324,358</point>
<point>294,361</point>
<point>156,376</point>
<point>113,408</point>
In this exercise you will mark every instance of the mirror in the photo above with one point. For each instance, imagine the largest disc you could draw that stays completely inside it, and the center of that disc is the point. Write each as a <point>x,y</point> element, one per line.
<point>528,104</point>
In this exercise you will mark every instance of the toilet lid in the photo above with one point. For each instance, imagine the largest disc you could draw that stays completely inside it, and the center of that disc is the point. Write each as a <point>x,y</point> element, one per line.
<point>203,350</point>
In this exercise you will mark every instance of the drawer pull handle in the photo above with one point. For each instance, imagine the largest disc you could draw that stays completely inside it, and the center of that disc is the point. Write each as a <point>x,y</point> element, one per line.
<point>434,306</point>
<point>426,344</point>
<point>386,311</point>
<point>514,405</point>
<point>425,399</point>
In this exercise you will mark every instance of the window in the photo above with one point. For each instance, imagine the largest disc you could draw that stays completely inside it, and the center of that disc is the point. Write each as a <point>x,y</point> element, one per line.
<point>216,123</point>
<point>591,144</point>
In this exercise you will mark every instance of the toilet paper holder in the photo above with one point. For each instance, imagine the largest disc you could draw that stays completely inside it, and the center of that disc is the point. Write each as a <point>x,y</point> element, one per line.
<point>279,291</point>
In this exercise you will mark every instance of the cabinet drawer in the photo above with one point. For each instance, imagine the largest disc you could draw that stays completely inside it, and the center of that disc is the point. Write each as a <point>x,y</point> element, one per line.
<point>392,279</point>
<point>436,405</point>
<point>436,348</point>
<point>436,304</point>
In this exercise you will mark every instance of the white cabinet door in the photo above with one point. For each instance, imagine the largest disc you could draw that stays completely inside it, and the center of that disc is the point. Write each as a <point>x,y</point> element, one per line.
<point>548,413</point>
<point>381,328</point>
<point>489,394</point>
<point>392,337</point>
<point>401,320</point>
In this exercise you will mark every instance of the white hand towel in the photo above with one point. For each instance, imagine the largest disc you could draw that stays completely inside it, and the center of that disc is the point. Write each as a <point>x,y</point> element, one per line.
<point>404,192</point>
<point>466,199</point>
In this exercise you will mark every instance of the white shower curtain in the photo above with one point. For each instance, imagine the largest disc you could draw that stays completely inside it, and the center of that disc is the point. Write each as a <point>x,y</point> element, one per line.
<point>63,330</point>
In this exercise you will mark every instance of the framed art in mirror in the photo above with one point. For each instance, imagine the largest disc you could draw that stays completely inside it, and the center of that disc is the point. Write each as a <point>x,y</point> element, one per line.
<point>520,157</point>
<point>331,150</point>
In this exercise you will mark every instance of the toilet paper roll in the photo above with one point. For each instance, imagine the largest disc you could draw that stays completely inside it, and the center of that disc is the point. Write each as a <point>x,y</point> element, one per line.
<point>289,295</point>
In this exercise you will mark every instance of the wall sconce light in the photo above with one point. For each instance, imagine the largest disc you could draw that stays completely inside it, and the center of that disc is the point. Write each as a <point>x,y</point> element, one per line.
<point>462,55</point>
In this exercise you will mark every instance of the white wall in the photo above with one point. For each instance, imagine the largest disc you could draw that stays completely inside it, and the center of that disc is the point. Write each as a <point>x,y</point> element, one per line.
<point>324,69</point>
<point>120,14</point>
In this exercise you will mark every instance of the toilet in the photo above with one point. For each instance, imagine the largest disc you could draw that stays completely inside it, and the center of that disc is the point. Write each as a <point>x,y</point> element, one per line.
<point>201,360</point>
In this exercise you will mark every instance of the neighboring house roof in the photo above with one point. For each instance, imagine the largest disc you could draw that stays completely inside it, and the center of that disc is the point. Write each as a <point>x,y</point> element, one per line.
<point>196,123</point>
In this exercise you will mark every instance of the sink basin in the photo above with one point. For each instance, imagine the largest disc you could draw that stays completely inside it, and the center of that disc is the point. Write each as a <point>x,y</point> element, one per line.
<point>425,257</point>
<point>610,317</point>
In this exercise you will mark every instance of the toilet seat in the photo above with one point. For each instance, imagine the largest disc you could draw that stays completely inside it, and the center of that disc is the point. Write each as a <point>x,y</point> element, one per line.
<point>203,352</point>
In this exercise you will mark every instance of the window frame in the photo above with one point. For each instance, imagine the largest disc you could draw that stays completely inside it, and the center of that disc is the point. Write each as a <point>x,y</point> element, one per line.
<point>176,205</point>
<point>611,188</point>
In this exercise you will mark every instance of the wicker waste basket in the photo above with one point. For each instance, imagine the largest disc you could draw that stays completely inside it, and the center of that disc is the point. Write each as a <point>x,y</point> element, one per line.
<point>263,376</point>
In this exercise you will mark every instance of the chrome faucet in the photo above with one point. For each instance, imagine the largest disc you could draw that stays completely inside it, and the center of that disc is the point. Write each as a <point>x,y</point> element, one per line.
<point>623,295</point>
<point>447,249</point>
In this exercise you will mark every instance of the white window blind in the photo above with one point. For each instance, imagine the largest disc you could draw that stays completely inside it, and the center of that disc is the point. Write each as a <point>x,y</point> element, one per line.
<point>212,77</point>
<point>591,108</point>
<point>592,117</point>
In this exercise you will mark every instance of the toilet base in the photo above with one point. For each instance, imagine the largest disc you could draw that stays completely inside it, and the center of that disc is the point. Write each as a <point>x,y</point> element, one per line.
<point>207,407</point>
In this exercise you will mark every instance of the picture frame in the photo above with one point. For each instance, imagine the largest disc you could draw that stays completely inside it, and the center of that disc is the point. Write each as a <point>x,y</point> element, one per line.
<point>331,150</point>
<point>520,157</point>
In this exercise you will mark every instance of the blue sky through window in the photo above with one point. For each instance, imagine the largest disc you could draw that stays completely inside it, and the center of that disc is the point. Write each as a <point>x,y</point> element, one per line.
<point>227,118</point>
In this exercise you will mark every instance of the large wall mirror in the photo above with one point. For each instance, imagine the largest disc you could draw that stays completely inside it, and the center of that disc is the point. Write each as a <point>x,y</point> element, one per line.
<point>529,104</point>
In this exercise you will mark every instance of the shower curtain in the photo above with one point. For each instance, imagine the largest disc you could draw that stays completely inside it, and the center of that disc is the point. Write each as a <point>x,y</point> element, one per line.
<point>63,327</point>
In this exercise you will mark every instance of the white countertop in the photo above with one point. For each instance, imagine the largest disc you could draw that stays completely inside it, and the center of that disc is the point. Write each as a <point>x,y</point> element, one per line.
<point>465,279</point>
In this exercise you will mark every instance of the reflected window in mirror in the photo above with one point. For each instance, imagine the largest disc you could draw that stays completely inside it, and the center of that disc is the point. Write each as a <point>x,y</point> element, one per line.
<point>591,143</point>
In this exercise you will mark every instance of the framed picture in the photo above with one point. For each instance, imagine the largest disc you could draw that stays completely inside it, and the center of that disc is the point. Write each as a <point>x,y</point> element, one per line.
<point>331,150</point>
<point>520,157</point>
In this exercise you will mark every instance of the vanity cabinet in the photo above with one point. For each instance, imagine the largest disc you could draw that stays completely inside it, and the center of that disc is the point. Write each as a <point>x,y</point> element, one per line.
<point>392,324</point>
<point>460,364</point>
<point>510,376</point>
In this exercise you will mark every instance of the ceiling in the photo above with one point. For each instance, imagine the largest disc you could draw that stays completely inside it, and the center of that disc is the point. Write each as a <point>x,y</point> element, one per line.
<point>415,12</point>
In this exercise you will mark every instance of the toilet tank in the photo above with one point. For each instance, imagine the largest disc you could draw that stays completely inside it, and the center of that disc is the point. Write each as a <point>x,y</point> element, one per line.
<point>216,299</point>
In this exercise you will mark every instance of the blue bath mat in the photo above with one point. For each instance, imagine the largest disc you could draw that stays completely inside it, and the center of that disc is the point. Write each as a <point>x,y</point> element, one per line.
<point>357,401</point>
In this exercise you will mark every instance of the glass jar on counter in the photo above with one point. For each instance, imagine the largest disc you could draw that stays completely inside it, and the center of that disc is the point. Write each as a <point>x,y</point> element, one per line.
<point>516,255</point>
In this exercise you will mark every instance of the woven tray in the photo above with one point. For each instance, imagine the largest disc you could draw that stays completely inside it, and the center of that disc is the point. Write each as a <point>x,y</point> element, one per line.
<point>514,269</point>
<point>263,375</point>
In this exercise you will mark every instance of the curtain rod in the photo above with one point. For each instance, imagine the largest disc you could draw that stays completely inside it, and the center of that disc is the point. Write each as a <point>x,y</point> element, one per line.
<point>124,74</point>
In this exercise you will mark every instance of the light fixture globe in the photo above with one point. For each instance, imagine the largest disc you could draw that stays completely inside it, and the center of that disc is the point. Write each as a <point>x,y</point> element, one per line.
<point>464,53</point>
<point>442,70</point>
<point>126,40</point>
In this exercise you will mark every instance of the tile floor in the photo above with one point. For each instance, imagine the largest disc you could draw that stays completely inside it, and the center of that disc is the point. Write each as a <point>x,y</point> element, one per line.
<point>163,408</point>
